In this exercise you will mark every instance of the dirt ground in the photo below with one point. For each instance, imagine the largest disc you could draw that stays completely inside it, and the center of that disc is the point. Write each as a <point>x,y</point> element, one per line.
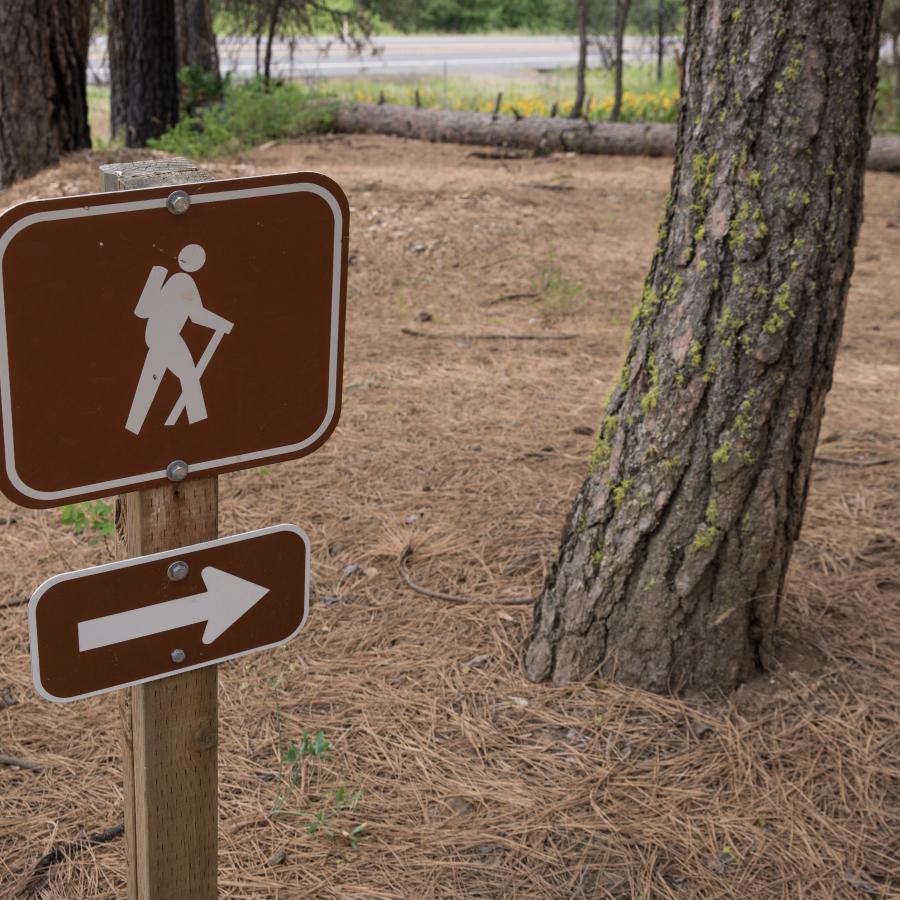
<point>449,775</point>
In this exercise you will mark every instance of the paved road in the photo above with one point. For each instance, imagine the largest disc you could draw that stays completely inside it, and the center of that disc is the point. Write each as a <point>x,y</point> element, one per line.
<point>399,55</point>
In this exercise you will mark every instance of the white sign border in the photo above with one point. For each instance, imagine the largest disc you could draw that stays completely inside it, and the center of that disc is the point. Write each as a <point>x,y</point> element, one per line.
<point>140,560</point>
<point>244,459</point>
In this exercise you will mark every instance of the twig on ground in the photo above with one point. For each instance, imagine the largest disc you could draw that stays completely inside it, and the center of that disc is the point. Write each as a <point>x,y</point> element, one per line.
<point>491,337</point>
<point>836,460</point>
<point>21,763</point>
<point>452,598</point>
<point>509,298</point>
<point>21,601</point>
<point>32,883</point>
<point>499,154</point>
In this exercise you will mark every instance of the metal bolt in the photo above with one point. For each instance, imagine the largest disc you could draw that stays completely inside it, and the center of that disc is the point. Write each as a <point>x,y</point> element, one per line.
<point>178,656</point>
<point>178,570</point>
<point>177,470</point>
<point>178,203</point>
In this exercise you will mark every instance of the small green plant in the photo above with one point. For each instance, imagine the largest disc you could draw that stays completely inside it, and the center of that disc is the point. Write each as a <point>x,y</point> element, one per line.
<point>96,517</point>
<point>248,114</point>
<point>558,294</point>
<point>297,755</point>
<point>322,820</point>
<point>319,747</point>
<point>200,87</point>
<point>330,818</point>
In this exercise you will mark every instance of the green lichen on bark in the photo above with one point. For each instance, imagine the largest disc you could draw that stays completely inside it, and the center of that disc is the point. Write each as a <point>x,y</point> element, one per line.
<point>620,491</point>
<point>704,538</point>
<point>651,397</point>
<point>696,351</point>
<point>602,447</point>
<point>722,453</point>
<point>780,310</point>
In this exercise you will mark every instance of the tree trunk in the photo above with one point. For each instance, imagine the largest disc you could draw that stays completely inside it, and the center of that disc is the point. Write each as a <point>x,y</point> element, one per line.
<point>622,7</point>
<point>195,40</point>
<point>539,134</point>
<point>43,83</point>
<point>895,56</point>
<point>150,82</point>
<point>673,560</point>
<point>542,135</point>
<point>274,16</point>
<point>117,51</point>
<point>660,38</point>
<point>581,70</point>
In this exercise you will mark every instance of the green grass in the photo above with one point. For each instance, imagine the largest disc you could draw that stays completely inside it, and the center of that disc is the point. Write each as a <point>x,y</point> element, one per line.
<point>645,99</point>
<point>98,116</point>
<point>94,517</point>
<point>250,114</point>
<point>887,109</point>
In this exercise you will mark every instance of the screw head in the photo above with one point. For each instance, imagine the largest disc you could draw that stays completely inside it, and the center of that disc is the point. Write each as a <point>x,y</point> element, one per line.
<point>178,655</point>
<point>177,470</point>
<point>178,570</point>
<point>178,203</point>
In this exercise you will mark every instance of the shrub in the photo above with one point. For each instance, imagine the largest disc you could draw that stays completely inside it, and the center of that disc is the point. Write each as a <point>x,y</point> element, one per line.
<point>248,114</point>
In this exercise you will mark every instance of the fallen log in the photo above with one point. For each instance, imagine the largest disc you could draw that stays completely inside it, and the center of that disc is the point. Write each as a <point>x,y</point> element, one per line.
<point>542,135</point>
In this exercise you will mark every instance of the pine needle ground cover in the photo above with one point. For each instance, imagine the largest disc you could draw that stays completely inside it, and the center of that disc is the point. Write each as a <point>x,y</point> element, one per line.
<point>394,750</point>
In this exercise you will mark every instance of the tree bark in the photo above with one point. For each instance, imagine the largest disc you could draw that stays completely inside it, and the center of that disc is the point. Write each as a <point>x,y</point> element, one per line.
<point>622,7</point>
<point>673,560</point>
<point>890,25</point>
<point>581,69</point>
<point>143,69</point>
<point>195,41</point>
<point>541,135</point>
<point>43,83</point>
<point>274,16</point>
<point>660,38</point>
<point>117,51</point>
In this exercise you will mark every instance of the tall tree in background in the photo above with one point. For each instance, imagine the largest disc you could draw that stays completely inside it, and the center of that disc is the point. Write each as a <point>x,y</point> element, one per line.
<point>621,21</point>
<point>143,68</point>
<point>667,13</point>
<point>581,69</point>
<point>673,561</point>
<point>890,25</point>
<point>43,83</point>
<point>195,39</point>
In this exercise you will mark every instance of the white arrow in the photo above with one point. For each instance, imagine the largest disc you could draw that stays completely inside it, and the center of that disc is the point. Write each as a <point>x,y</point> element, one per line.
<point>224,601</point>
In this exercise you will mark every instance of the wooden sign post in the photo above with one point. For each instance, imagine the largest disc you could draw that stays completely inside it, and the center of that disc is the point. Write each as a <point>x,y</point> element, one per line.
<point>219,306</point>
<point>170,728</point>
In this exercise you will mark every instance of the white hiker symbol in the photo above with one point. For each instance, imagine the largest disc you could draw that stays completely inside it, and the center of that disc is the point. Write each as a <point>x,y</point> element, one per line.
<point>167,304</point>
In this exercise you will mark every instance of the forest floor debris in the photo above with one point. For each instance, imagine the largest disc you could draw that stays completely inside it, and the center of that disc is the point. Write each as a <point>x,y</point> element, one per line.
<point>441,772</point>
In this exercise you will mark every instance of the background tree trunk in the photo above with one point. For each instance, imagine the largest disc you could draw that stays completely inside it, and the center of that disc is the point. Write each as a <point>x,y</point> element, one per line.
<point>143,68</point>
<point>581,69</point>
<point>660,38</point>
<point>43,83</point>
<point>622,7</point>
<point>195,42</point>
<point>117,50</point>
<point>274,17</point>
<point>673,560</point>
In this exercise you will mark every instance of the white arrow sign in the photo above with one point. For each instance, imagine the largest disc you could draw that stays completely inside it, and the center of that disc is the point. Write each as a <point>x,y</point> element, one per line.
<point>224,601</point>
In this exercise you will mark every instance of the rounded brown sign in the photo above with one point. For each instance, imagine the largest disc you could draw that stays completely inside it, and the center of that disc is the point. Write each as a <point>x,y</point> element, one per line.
<point>135,333</point>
